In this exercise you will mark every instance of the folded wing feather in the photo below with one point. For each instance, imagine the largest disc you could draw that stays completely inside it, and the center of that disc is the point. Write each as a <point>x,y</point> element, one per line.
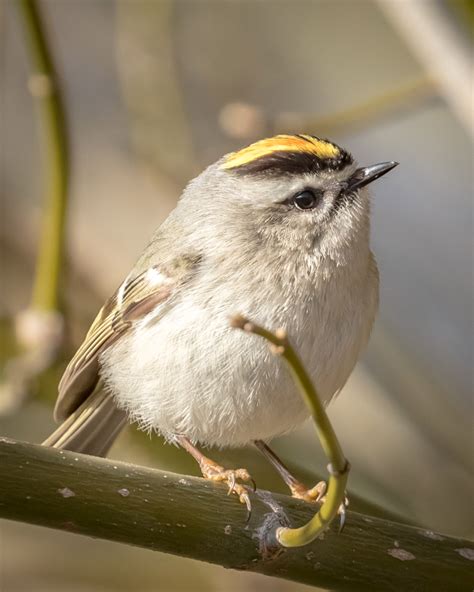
<point>134,299</point>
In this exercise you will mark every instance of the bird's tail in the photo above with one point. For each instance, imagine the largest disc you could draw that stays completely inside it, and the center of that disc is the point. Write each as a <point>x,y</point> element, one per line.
<point>92,428</point>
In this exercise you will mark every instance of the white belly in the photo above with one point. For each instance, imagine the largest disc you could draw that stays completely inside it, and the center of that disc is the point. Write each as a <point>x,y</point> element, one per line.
<point>189,373</point>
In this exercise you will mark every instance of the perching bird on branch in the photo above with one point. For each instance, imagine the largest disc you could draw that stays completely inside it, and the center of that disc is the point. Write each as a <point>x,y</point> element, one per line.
<point>279,232</point>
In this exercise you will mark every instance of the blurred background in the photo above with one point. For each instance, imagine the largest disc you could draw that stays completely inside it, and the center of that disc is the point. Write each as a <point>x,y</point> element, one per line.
<point>157,89</point>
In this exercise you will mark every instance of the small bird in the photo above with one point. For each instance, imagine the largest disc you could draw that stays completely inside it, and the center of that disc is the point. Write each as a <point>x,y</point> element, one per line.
<point>278,232</point>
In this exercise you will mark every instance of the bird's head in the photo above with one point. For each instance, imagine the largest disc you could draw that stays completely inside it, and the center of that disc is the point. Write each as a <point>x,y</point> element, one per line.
<point>292,193</point>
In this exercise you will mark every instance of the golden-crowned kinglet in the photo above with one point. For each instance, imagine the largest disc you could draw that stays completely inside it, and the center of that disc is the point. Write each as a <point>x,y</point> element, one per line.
<point>279,232</point>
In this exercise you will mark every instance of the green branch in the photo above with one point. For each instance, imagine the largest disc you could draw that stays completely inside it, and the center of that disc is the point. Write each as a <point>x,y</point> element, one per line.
<point>45,88</point>
<point>39,330</point>
<point>194,518</point>
<point>338,465</point>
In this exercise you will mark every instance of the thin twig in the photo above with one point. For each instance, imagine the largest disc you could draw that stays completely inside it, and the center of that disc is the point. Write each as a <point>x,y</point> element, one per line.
<point>45,88</point>
<point>338,465</point>
<point>360,115</point>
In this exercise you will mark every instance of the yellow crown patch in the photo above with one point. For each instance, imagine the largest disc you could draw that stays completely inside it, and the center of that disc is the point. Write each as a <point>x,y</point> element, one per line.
<point>322,149</point>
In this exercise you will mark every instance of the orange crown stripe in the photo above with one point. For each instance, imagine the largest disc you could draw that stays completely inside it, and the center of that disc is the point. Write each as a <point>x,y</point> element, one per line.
<point>306,144</point>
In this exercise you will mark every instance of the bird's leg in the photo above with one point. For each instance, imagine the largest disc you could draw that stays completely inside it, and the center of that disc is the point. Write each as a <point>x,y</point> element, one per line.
<point>298,489</point>
<point>214,472</point>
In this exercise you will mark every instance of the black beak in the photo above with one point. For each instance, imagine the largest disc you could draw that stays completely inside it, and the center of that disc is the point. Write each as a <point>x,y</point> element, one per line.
<point>366,175</point>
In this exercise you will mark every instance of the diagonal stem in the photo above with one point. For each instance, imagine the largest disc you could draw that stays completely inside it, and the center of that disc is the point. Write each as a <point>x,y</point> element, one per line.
<point>338,465</point>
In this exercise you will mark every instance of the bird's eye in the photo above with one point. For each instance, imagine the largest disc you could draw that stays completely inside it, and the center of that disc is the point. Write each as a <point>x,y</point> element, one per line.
<point>307,199</point>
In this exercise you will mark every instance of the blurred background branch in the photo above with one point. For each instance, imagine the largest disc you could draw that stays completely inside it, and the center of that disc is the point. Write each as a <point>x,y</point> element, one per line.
<point>45,88</point>
<point>39,330</point>
<point>369,112</point>
<point>247,122</point>
<point>176,514</point>
<point>445,54</point>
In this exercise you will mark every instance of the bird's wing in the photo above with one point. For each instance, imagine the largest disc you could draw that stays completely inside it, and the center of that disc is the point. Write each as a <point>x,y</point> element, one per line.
<point>134,299</point>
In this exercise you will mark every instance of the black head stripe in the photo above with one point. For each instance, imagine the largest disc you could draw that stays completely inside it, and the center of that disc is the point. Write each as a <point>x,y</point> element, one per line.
<point>293,163</point>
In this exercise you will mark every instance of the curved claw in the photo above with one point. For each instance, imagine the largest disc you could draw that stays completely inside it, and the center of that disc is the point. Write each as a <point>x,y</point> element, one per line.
<point>320,489</point>
<point>216,473</point>
<point>342,522</point>
<point>231,483</point>
<point>342,514</point>
<point>254,485</point>
<point>244,498</point>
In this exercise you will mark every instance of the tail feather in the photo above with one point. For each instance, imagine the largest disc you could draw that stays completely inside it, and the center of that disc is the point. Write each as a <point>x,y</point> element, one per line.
<point>92,428</point>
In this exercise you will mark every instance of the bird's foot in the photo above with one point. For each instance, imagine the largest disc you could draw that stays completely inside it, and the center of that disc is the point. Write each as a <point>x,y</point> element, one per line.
<point>318,494</point>
<point>214,472</point>
<point>315,494</point>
